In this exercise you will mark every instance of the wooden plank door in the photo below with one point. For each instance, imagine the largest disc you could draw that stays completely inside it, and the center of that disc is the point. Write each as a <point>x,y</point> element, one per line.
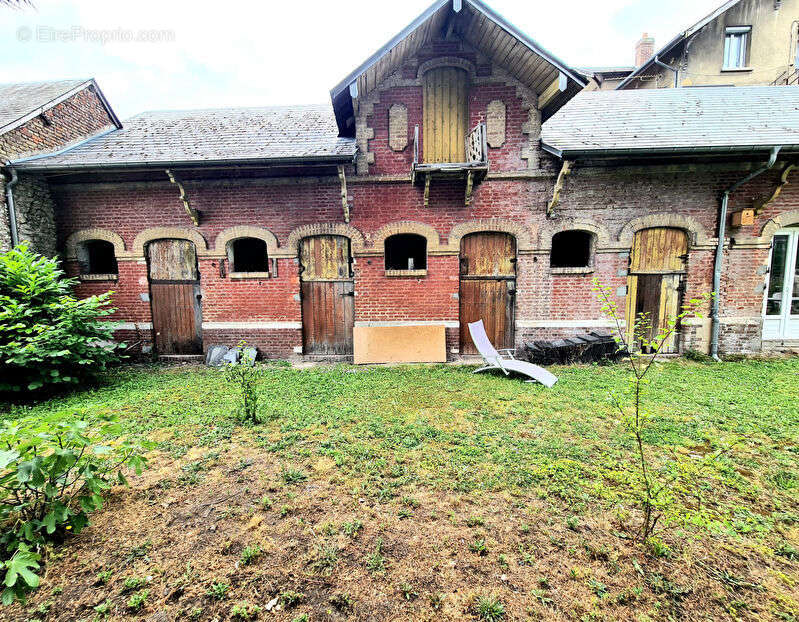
<point>445,123</point>
<point>658,262</point>
<point>175,297</point>
<point>327,290</point>
<point>488,288</point>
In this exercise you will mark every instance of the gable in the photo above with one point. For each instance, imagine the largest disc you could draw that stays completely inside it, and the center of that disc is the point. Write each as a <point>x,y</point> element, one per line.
<point>480,27</point>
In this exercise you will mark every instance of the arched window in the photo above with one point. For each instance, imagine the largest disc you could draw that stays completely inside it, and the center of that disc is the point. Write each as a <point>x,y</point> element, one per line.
<point>406,251</point>
<point>248,255</point>
<point>96,257</point>
<point>571,249</point>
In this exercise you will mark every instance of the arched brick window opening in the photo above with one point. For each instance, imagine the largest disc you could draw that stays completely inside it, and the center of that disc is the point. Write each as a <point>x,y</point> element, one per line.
<point>96,257</point>
<point>406,251</point>
<point>571,249</point>
<point>248,255</point>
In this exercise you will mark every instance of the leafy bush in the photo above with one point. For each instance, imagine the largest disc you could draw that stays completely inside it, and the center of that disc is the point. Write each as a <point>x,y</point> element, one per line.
<point>244,375</point>
<point>52,475</point>
<point>47,336</point>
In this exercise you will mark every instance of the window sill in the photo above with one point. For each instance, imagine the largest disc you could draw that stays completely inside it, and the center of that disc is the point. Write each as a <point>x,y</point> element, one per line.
<point>98,277</point>
<point>411,274</point>
<point>250,275</point>
<point>578,270</point>
<point>736,69</point>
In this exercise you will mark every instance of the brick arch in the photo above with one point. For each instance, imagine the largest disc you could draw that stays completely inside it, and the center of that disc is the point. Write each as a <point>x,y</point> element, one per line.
<point>697,234</point>
<point>780,221</point>
<point>245,231</point>
<point>378,238</point>
<point>160,233</point>
<point>601,234</point>
<point>446,61</point>
<point>524,236</point>
<point>84,235</point>
<point>348,231</point>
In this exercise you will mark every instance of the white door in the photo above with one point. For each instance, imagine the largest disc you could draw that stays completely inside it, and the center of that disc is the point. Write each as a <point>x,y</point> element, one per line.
<point>781,306</point>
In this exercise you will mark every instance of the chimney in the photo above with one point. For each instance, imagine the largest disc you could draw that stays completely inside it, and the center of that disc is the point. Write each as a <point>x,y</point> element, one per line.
<point>644,49</point>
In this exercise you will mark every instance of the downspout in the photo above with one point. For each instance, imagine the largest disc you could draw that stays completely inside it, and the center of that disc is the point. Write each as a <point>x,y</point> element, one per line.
<point>659,62</point>
<point>12,213</point>
<point>715,325</point>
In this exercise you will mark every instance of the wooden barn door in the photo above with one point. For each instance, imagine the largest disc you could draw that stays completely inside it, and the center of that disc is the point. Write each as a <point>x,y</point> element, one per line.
<point>327,291</point>
<point>654,287</point>
<point>175,297</point>
<point>445,102</point>
<point>488,287</point>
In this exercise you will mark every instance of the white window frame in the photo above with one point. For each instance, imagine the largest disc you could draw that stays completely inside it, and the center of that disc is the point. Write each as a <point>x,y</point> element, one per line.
<point>741,34</point>
<point>786,324</point>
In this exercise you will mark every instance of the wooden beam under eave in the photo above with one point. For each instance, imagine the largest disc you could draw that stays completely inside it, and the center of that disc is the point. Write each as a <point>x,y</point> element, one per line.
<point>549,93</point>
<point>342,177</point>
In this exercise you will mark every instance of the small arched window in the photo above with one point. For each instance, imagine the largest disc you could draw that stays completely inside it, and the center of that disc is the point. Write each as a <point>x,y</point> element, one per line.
<point>248,255</point>
<point>97,257</point>
<point>406,252</point>
<point>571,249</point>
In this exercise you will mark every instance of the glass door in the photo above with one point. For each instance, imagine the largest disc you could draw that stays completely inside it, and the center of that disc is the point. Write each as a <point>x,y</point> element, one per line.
<point>781,306</point>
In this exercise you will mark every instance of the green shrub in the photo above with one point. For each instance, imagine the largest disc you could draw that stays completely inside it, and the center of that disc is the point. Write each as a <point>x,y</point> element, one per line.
<point>52,475</point>
<point>47,336</point>
<point>245,375</point>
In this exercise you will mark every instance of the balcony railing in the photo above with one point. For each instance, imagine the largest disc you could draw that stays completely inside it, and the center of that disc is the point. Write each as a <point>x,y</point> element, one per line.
<point>787,77</point>
<point>473,170</point>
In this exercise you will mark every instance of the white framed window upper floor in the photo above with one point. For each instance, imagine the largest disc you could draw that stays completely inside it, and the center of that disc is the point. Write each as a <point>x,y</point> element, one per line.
<point>737,41</point>
<point>781,303</point>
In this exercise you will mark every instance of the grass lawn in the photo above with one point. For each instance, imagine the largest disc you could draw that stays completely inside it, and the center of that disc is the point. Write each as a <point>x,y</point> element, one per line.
<point>429,493</point>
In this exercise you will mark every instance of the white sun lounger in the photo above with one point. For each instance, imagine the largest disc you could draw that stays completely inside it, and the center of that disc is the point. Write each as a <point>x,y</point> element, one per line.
<point>494,360</point>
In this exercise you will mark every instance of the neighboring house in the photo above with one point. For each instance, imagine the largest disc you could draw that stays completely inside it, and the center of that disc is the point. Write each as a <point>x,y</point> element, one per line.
<point>425,199</point>
<point>38,118</point>
<point>742,43</point>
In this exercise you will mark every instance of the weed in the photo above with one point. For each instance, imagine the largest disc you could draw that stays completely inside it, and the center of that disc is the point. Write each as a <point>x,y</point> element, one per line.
<point>404,513</point>
<point>104,607</point>
<point>572,522</point>
<point>657,547</point>
<point>244,611</point>
<point>407,591</point>
<point>541,597</point>
<point>489,609</point>
<point>628,595</point>
<point>786,549</point>
<point>410,502</point>
<point>139,552</point>
<point>244,375</point>
<point>376,562</point>
<point>218,590</point>
<point>479,547</point>
<point>138,600</point>
<point>324,558</point>
<point>475,521</point>
<point>303,617</point>
<point>293,476</point>
<point>502,560</point>
<point>597,587</point>
<point>543,582</point>
<point>352,528</point>
<point>436,600</point>
<point>291,599</point>
<point>342,601</point>
<point>250,554</point>
<point>195,613</point>
<point>103,577</point>
<point>133,583</point>
<point>266,503</point>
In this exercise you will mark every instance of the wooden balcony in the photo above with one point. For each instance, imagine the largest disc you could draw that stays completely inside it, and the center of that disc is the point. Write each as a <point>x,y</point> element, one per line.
<point>472,171</point>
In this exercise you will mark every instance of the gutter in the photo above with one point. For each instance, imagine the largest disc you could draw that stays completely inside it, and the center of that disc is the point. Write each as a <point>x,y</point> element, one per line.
<point>660,63</point>
<point>715,325</point>
<point>658,151</point>
<point>12,213</point>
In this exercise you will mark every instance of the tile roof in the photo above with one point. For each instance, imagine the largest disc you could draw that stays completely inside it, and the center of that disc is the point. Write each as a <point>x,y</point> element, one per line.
<point>675,120</point>
<point>18,100</point>
<point>204,136</point>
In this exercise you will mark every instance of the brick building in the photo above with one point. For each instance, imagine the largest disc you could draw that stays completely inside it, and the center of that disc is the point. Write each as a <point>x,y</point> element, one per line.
<point>425,198</point>
<point>39,118</point>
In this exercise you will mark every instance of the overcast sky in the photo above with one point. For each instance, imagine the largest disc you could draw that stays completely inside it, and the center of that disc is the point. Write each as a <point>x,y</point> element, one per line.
<point>235,53</point>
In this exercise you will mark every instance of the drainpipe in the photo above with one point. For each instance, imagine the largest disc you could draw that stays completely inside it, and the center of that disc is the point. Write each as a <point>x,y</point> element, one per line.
<point>12,213</point>
<point>670,68</point>
<point>725,198</point>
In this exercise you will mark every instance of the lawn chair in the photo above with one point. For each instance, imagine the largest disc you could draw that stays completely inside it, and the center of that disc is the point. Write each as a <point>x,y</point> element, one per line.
<point>494,360</point>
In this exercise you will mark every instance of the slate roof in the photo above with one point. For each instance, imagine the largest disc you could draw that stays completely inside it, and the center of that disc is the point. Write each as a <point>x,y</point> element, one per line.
<point>732,119</point>
<point>206,136</point>
<point>21,100</point>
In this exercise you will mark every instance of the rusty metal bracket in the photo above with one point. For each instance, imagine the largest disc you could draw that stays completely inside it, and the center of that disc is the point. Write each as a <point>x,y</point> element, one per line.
<point>342,177</point>
<point>193,213</point>
<point>565,171</point>
<point>469,187</point>
<point>763,203</point>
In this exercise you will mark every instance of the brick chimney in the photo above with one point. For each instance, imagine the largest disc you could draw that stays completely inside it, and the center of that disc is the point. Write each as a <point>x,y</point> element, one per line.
<point>644,49</point>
